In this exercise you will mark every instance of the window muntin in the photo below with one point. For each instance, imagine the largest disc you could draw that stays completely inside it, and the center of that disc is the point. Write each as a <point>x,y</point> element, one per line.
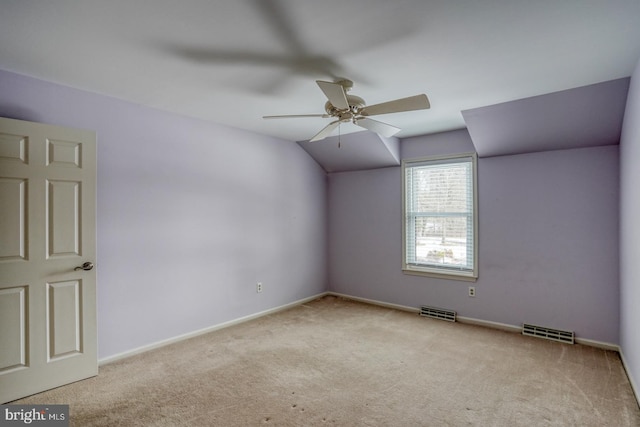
<point>439,208</point>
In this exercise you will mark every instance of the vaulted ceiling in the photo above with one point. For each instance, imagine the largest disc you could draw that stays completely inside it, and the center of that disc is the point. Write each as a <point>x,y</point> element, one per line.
<point>232,62</point>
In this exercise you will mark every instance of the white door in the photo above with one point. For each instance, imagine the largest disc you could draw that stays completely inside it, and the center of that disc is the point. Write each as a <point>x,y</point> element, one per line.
<point>47,230</point>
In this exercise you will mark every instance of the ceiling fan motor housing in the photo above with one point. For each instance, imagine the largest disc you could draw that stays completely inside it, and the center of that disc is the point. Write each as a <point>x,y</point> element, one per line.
<point>355,105</point>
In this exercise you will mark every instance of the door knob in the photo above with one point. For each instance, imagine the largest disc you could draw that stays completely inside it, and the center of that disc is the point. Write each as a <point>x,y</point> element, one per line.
<point>86,266</point>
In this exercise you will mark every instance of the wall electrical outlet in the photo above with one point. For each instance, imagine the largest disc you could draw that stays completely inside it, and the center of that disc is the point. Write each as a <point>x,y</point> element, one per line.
<point>259,287</point>
<point>472,291</point>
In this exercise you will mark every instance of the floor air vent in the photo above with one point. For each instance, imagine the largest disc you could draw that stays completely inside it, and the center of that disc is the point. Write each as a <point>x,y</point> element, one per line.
<point>548,333</point>
<point>438,313</point>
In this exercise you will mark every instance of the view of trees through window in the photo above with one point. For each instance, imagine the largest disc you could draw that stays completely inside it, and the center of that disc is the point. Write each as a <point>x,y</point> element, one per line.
<point>439,214</point>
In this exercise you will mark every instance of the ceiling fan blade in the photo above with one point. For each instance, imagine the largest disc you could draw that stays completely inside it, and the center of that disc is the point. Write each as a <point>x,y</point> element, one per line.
<point>325,131</point>
<point>417,102</point>
<point>296,116</point>
<point>377,127</point>
<point>334,93</point>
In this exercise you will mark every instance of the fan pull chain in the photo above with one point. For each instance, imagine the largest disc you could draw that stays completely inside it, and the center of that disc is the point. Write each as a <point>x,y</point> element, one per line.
<point>339,134</point>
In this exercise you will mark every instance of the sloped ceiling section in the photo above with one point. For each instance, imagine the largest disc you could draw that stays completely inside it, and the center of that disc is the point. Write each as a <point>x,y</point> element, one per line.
<point>586,116</point>
<point>354,151</point>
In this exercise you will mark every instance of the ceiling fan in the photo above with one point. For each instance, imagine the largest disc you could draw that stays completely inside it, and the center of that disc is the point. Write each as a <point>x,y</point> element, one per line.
<point>345,108</point>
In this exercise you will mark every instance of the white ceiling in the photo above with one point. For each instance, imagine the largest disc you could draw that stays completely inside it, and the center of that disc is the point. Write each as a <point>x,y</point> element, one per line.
<point>234,61</point>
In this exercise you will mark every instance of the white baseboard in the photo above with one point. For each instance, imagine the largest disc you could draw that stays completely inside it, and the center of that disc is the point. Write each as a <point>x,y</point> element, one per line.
<point>479,322</point>
<point>461,319</point>
<point>597,344</point>
<point>158,344</point>
<point>376,302</point>
<point>489,324</point>
<point>634,388</point>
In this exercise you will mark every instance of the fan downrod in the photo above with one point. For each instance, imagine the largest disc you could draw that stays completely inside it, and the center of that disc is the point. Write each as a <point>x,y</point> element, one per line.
<point>345,83</point>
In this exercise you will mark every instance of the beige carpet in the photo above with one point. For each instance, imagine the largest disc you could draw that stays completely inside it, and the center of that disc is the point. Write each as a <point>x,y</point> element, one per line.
<point>339,362</point>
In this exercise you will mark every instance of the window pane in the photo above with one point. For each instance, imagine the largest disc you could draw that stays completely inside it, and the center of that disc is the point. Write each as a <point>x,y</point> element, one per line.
<point>439,215</point>
<point>441,188</point>
<point>441,241</point>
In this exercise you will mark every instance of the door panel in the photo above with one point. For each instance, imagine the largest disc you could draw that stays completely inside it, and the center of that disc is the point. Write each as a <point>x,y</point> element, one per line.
<point>47,229</point>
<point>63,216</point>
<point>13,305</point>
<point>64,308</point>
<point>13,147</point>
<point>64,153</point>
<point>13,222</point>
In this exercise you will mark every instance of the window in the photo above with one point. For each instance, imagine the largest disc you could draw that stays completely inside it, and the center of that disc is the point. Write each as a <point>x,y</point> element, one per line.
<point>440,220</point>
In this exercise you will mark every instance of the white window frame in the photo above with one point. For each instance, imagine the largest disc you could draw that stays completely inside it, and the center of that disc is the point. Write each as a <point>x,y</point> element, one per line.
<point>409,267</point>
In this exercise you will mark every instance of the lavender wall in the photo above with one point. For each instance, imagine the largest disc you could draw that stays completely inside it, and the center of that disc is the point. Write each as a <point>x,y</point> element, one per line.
<point>548,245</point>
<point>190,215</point>
<point>630,232</point>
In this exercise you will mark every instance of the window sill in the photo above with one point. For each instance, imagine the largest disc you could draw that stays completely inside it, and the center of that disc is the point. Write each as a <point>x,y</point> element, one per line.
<point>465,277</point>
